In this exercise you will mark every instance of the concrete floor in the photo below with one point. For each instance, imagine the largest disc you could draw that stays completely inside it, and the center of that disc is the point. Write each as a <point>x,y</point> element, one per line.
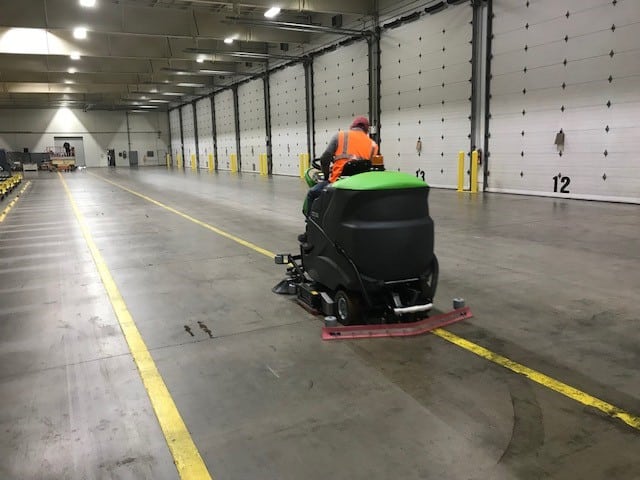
<point>552,283</point>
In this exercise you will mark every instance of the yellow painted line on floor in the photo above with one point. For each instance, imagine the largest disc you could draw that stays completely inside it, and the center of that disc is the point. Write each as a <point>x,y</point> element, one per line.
<point>6,211</point>
<point>540,378</point>
<point>217,230</point>
<point>185,453</point>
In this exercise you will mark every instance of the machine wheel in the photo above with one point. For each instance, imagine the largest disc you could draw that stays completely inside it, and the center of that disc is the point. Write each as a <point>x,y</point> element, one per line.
<point>348,308</point>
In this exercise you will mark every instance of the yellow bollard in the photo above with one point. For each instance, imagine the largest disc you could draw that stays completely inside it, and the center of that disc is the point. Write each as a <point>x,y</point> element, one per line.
<point>211,162</point>
<point>179,159</point>
<point>304,163</point>
<point>264,167</point>
<point>168,160</point>
<point>474,171</point>
<point>234,163</point>
<point>193,161</point>
<point>461,171</point>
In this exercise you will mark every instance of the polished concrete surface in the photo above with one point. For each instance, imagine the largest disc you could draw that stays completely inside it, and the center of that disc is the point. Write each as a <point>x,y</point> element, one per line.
<point>553,285</point>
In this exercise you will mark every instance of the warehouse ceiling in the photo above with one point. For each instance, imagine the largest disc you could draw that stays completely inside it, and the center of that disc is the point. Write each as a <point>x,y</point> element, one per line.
<point>149,54</point>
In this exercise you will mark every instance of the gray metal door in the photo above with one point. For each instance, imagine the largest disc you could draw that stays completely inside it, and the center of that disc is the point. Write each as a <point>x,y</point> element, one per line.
<point>133,158</point>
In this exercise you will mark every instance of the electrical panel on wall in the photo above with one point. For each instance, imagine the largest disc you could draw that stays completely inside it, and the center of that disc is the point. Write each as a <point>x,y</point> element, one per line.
<point>174,128</point>
<point>341,90</point>
<point>188,133</point>
<point>288,118</point>
<point>565,99</point>
<point>426,94</point>
<point>225,128</point>
<point>205,131</point>
<point>253,130</point>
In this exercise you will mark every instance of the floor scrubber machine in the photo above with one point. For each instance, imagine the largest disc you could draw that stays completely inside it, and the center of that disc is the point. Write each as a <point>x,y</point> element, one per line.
<point>367,253</point>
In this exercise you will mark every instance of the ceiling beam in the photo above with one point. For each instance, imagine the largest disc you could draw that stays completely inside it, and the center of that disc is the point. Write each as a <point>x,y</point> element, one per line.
<point>22,87</point>
<point>351,7</point>
<point>100,78</point>
<point>151,69</point>
<point>294,26</point>
<point>61,44</point>
<point>134,21</point>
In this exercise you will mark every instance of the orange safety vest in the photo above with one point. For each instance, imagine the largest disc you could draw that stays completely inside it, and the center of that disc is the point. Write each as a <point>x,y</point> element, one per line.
<point>352,145</point>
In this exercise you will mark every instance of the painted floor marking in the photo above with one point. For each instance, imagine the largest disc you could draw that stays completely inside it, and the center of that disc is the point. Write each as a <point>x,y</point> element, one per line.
<point>535,376</point>
<point>6,211</point>
<point>185,454</point>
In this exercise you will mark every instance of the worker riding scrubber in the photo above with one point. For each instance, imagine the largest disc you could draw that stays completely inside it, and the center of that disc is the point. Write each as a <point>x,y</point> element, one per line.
<point>345,146</point>
<point>367,253</point>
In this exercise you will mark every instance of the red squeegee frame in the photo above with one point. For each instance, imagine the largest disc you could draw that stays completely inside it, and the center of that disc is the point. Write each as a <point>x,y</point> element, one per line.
<point>396,329</point>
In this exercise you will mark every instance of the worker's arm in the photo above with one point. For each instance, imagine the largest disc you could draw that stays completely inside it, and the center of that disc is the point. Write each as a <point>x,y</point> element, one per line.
<point>327,156</point>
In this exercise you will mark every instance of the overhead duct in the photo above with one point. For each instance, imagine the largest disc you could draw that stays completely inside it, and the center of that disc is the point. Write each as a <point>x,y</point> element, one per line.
<point>402,20</point>
<point>180,71</point>
<point>438,7</point>
<point>296,27</point>
<point>241,54</point>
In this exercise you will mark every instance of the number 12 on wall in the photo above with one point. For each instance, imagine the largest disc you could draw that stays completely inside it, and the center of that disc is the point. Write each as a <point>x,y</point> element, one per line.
<point>563,182</point>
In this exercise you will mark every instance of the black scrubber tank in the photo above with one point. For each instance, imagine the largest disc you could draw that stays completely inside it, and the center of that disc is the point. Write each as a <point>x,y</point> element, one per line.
<point>371,236</point>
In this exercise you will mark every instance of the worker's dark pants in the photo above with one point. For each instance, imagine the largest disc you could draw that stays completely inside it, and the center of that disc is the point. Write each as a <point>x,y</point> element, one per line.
<point>313,193</point>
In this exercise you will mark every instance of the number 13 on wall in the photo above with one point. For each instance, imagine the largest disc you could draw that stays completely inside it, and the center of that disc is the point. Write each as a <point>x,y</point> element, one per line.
<point>561,181</point>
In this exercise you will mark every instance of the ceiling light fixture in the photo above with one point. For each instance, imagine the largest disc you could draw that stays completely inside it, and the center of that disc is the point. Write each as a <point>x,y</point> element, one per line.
<point>200,59</point>
<point>217,72</point>
<point>158,101</point>
<point>229,40</point>
<point>72,71</point>
<point>272,12</point>
<point>80,33</point>
<point>154,90</point>
<point>68,82</point>
<point>88,3</point>
<point>75,55</point>
<point>172,94</point>
<point>193,85</point>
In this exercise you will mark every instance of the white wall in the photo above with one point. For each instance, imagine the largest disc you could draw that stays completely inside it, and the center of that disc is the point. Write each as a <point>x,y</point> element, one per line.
<point>251,115</point>
<point>188,133</point>
<point>205,131</point>
<point>572,65</point>
<point>425,94</point>
<point>176,138</point>
<point>100,130</point>
<point>557,64</point>
<point>225,128</point>
<point>341,90</point>
<point>288,119</point>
